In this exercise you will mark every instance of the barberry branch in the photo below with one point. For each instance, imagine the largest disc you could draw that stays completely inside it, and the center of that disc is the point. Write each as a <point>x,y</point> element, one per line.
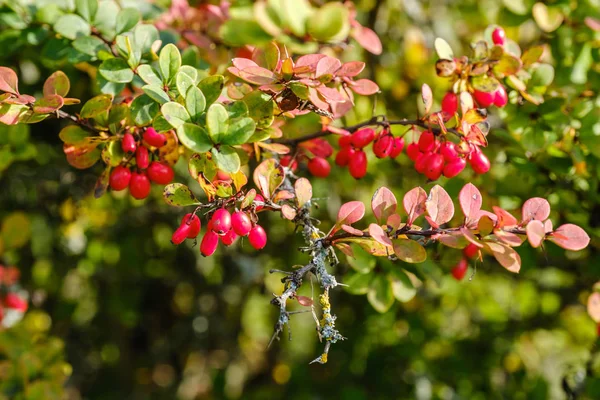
<point>81,122</point>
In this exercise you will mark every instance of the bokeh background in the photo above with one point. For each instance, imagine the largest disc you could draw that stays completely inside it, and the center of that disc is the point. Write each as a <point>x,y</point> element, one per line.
<point>117,312</point>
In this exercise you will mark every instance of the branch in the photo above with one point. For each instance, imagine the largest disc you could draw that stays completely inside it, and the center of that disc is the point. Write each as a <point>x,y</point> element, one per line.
<point>82,123</point>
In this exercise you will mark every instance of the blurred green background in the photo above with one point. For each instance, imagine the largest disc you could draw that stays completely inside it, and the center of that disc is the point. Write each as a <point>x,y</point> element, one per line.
<point>117,312</point>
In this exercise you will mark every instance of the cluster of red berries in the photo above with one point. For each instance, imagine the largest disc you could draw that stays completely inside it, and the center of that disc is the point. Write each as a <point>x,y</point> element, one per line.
<point>434,157</point>
<point>223,226</point>
<point>353,156</point>
<point>138,179</point>
<point>10,300</point>
<point>459,271</point>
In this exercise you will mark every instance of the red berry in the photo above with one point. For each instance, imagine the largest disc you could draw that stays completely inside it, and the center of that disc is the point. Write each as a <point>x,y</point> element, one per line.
<point>454,167</point>
<point>363,137</point>
<point>221,221</point>
<point>498,36</point>
<point>288,161</point>
<point>343,156</point>
<point>180,234</point>
<point>345,141</point>
<point>194,223</point>
<point>449,151</point>
<point>479,162</point>
<point>257,237</point>
<point>209,243</point>
<point>471,251</point>
<point>383,146</point>
<point>501,97</point>
<point>435,165</point>
<point>128,143</point>
<point>229,238</point>
<point>160,173</point>
<point>12,300</point>
<point>397,147</point>
<point>427,141</point>
<point>139,185</point>
<point>484,99</point>
<point>450,103</point>
<point>421,162</point>
<point>119,178</point>
<point>241,223</point>
<point>459,271</point>
<point>142,157</point>
<point>413,152</point>
<point>358,165</point>
<point>154,138</point>
<point>260,199</point>
<point>319,167</point>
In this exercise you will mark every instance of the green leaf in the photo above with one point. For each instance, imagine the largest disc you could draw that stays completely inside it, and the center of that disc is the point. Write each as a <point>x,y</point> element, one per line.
<point>543,75</point>
<point>195,102</point>
<point>169,62</point>
<point>330,23</point>
<point>191,72</point>
<point>105,20</point>
<point>49,14</point>
<point>217,122</point>
<point>149,75</point>
<point>144,35</point>
<point>175,113</point>
<point>48,104</point>
<point>200,164</point>
<point>402,286</point>
<point>184,82</point>
<point>260,108</point>
<point>96,106</point>
<point>582,65</point>
<point>237,32</point>
<point>380,293</point>
<point>143,110</point>
<point>74,134</point>
<point>179,195</point>
<point>211,88</point>
<point>127,19</point>
<point>194,138</point>
<point>89,45</point>
<point>72,26</point>
<point>226,158</point>
<point>116,70</point>
<point>363,262</point>
<point>239,131</point>
<point>409,250</point>
<point>156,93</point>
<point>86,8</point>
<point>296,13</point>
<point>358,283</point>
<point>237,109</point>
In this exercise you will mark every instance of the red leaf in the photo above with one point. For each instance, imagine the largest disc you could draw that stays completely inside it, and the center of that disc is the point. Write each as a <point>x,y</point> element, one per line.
<point>593,306</point>
<point>351,69</point>
<point>439,205</point>
<point>394,221</point>
<point>505,255</point>
<point>548,228</point>
<point>470,236</point>
<point>427,96</point>
<point>327,66</point>
<point>414,203</point>
<point>535,208</point>
<point>288,212</point>
<point>243,63</point>
<point>594,24</point>
<point>368,39</point>
<point>504,217</point>
<point>57,83</point>
<point>352,231</point>
<point>48,104</point>
<point>345,248</point>
<point>330,94</point>
<point>535,233</point>
<point>379,234</point>
<point>304,301</point>
<point>470,201</point>
<point>309,60</point>
<point>456,240</point>
<point>350,213</point>
<point>365,87</point>
<point>570,237</point>
<point>258,75</point>
<point>383,204</point>
<point>8,81</point>
<point>508,238</point>
<point>319,147</point>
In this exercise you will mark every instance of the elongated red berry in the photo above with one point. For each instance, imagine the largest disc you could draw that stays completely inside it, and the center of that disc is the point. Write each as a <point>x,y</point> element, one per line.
<point>449,151</point>
<point>12,300</point>
<point>450,103</point>
<point>362,137</point>
<point>142,157</point>
<point>434,167</point>
<point>427,141</point>
<point>397,147</point>
<point>209,243</point>
<point>139,185</point>
<point>257,237</point>
<point>421,162</point>
<point>241,223</point>
<point>160,173</point>
<point>259,198</point>
<point>471,251</point>
<point>501,97</point>
<point>180,234</point>
<point>345,141</point>
<point>154,138</point>
<point>319,167</point>
<point>343,156</point>
<point>128,143</point>
<point>194,223</point>
<point>119,178</point>
<point>484,99</point>
<point>412,151</point>
<point>498,36</point>
<point>479,162</point>
<point>221,221</point>
<point>229,238</point>
<point>460,270</point>
<point>382,147</point>
<point>358,165</point>
<point>455,167</point>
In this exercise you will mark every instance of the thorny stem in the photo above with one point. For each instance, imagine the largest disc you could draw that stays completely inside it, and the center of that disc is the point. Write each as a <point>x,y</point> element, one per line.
<point>378,120</point>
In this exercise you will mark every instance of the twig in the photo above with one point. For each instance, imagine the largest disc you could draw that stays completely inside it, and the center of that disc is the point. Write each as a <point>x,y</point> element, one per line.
<point>81,122</point>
